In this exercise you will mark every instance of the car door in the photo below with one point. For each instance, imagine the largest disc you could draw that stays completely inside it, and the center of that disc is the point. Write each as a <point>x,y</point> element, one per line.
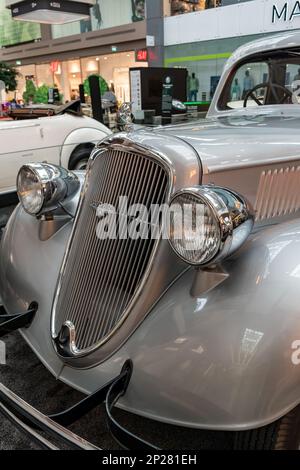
<point>20,142</point>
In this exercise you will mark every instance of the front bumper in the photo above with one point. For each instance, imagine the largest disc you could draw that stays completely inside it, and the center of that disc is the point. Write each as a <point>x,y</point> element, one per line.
<point>51,432</point>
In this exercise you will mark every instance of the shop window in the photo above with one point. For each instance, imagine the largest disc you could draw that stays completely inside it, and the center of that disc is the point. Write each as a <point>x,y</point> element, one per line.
<point>207,74</point>
<point>44,75</point>
<point>68,75</point>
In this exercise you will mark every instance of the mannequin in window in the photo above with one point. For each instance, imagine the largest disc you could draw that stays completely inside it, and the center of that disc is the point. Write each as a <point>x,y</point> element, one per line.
<point>248,83</point>
<point>194,87</point>
<point>236,92</point>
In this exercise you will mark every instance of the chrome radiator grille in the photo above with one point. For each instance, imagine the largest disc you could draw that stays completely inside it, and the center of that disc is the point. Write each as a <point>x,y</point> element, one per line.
<point>101,277</point>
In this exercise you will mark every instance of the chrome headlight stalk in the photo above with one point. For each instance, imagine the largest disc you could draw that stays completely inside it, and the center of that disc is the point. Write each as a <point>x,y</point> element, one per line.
<point>208,224</point>
<point>42,187</point>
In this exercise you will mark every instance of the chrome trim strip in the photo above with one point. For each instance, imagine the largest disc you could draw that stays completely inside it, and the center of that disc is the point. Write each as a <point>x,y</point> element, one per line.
<point>10,400</point>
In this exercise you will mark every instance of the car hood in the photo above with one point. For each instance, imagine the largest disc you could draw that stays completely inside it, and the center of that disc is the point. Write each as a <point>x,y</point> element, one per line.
<point>240,140</point>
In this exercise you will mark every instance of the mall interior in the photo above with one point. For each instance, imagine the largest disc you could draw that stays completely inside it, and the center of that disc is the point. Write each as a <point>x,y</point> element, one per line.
<point>150,228</point>
<point>197,35</point>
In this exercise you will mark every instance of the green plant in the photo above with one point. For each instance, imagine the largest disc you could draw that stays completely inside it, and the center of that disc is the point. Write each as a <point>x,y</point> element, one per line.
<point>41,95</point>
<point>30,91</point>
<point>102,83</point>
<point>9,75</point>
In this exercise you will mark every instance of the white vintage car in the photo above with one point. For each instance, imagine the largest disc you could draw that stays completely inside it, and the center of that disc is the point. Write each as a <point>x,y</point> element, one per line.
<point>61,136</point>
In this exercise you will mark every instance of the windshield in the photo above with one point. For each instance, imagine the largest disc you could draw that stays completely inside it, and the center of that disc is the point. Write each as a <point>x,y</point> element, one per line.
<point>267,79</point>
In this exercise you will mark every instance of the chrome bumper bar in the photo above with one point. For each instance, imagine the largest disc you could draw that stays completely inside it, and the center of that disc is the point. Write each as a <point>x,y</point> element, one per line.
<point>20,413</point>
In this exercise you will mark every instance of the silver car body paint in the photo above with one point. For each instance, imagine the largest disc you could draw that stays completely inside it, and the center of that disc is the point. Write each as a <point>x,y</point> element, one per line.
<point>214,358</point>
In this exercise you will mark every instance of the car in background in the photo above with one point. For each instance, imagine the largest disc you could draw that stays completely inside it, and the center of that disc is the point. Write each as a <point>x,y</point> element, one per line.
<point>58,135</point>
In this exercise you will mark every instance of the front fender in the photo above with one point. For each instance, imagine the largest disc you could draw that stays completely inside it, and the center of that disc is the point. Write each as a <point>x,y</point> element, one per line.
<point>219,360</point>
<point>222,359</point>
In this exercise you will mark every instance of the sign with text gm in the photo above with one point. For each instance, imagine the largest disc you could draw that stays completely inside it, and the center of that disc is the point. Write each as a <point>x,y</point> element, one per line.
<point>286,12</point>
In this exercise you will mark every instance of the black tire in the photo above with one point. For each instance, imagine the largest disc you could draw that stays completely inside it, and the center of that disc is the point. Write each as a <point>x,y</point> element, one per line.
<point>284,434</point>
<point>80,158</point>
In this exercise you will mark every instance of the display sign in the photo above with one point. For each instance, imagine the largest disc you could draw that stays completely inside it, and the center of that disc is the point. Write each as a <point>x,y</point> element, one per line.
<point>286,12</point>
<point>136,90</point>
<point>50,12</point>
<point>167,98</point>
<point>53,96</point>
<point>150,41</point>
<point>141,55</point>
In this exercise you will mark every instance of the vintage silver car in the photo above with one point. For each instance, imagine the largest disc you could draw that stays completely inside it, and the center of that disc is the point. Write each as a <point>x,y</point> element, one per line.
<point>202,330</point>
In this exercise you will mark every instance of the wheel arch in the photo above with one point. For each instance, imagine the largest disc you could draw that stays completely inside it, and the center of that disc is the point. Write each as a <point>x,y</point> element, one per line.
<point>78,139</point>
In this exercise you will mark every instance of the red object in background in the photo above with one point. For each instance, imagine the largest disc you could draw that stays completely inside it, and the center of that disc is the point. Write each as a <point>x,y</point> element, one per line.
<point>141,55</point>
<point>54,66</point>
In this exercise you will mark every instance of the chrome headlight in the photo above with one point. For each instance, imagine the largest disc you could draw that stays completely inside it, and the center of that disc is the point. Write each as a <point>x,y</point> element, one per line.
<point>208,223</point>
<point>43,187</point>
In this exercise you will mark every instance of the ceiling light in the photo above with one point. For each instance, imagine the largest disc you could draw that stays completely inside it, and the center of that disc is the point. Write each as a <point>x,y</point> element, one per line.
<point>49,12</point>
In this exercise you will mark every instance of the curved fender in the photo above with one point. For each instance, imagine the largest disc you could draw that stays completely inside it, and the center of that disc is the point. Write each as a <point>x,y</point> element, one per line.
<point>221,359</point>
<point>26,276</point>
<point>81,136</point>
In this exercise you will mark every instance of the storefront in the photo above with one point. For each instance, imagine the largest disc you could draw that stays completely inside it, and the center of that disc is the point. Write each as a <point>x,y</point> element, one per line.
<point>206,60</point>
<point>66,55</point>
<point>68,75</point>
<point>202,41</point>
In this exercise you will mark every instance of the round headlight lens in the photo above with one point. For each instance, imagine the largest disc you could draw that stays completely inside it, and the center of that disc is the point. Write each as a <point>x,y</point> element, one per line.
<point>43,187</point>
<point>30,190</point>
<point>194,234</point>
